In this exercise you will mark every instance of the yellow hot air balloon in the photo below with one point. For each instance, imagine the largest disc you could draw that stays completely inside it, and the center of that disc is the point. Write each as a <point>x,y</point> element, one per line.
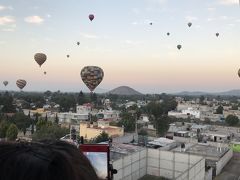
<point>21,83</point>
<point>40,58</point>
<point>92,76</point>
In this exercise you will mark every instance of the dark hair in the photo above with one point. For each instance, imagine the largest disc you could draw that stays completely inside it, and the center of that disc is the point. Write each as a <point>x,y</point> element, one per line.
<point>43,161</point>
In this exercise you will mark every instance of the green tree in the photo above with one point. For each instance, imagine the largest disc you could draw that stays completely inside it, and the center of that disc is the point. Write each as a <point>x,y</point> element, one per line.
<point>219,110</point>
<point>128,121</point>
<point>102,137</point>
<point>56,119</point>
<point>232,120</point>
<point>201,99</point>
<point>50,132</point>
<point>4,125</point>
<point>42,124</point>
<point>6,100</point>
<point>162,125</point>
<point>22,121</point>
<point>143,132</point>
<point>12,132</point>
<point>81,98</point>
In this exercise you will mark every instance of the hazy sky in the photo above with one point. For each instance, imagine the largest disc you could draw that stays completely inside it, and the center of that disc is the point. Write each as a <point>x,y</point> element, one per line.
<point>122,42</point>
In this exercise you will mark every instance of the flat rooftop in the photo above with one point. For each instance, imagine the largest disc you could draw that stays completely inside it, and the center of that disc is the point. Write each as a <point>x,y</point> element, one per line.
<point>208,151</point>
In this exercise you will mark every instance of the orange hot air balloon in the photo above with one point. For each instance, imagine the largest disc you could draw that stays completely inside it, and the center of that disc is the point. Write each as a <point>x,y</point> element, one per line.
<point>40,58</point>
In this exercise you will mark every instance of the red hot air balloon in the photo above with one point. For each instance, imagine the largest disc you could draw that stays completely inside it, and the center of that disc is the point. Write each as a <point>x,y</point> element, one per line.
<point>21,83</point>
<point>91,17</point>
<point>40,58</point>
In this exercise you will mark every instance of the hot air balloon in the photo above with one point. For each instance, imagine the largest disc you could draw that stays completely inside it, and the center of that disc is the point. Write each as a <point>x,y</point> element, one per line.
<point>92,76</point>
<point>179,46</point>
<point>45,72</point>
<point>91,17</point>
<point>68,56</point>
<point>5,83</point>
<point>239,72</point>
<point>150,23</point>
<point>21,83</point>
<point>168,33</point>
<point>189,24</point>
<point>40,58</point>
<point>78,43</point>
<point>217,34</point>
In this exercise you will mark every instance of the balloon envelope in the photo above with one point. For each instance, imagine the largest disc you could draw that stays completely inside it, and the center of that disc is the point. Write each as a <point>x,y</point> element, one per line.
<point>40,58</point>
<point>92,76</point>
<point>68,56</point>
<point>78,43</point>
<point>217,34</point>
<point>21,83</point>
<point>168,33</point>
<point>91,17</point>
<point>179,46</point>
<point>189,24</point>
<point>150,23</point>
<point>239,72</point>
<point>5,83</point>
<point>45,72</point>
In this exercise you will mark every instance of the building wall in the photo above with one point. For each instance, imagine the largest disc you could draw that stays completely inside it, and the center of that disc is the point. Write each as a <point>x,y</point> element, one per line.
<point>172,165</point>
<point>223,161</point>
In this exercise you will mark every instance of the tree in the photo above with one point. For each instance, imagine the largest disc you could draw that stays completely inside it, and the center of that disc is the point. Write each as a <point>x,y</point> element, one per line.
<point>219,110</point>
<point>46,118</point>
<point>142,132</point>
<point>232,120</point>
<point>56,119</point>
<point>7,102</point>
<point>4,125</point>
<point>22,121</point>
<point>50,132</point>
<point>102,137</point>
<point>201,99</point>
<point>81,98</point>
<point>12,132</point>
<point>162,125</point>
<point>128,121</point>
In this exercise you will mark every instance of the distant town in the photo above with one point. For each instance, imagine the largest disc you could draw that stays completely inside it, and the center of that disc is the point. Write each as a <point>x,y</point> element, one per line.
<point>153,135</point>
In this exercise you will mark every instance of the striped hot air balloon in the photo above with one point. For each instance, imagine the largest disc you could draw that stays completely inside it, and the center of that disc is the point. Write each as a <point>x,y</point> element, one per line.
<point>5,83</point>
<point>21,83</point>
<point>92,76</point>
<point>40,58</point>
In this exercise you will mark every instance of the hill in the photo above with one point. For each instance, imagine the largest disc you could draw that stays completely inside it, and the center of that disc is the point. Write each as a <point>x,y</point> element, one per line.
<point>124,90</point>
<point>235,92</point>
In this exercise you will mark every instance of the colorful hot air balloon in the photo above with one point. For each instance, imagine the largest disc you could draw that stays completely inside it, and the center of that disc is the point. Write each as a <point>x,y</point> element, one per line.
<point>239,72</point>
<point>21,83</point>
<point>168,33</point>
<point>189,24</point>
<point>91,17</point>
<point>217,34</point>
<point>5,83</point>
<point>78,43</point>
<point>179,46</point>
<point>40,58</point>
<point>92,76</point>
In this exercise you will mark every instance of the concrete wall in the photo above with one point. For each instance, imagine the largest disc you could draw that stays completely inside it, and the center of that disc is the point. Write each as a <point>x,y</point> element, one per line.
<point>131,167</point>
<point>171,165</point>
<point>168,164</point>
<point>208,174</point>
<point>223,161</point>
<point>127,138</point>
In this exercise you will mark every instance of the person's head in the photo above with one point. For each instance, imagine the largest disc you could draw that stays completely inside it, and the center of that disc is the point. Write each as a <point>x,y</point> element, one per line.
<point>43,161</point>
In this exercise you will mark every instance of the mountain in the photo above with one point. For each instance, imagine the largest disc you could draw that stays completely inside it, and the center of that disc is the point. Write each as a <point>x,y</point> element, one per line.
<point>124,90</point>
<point>235,92</point>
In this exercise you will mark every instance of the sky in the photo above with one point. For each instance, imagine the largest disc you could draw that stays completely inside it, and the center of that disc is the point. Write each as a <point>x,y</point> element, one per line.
<point>122,42</point>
